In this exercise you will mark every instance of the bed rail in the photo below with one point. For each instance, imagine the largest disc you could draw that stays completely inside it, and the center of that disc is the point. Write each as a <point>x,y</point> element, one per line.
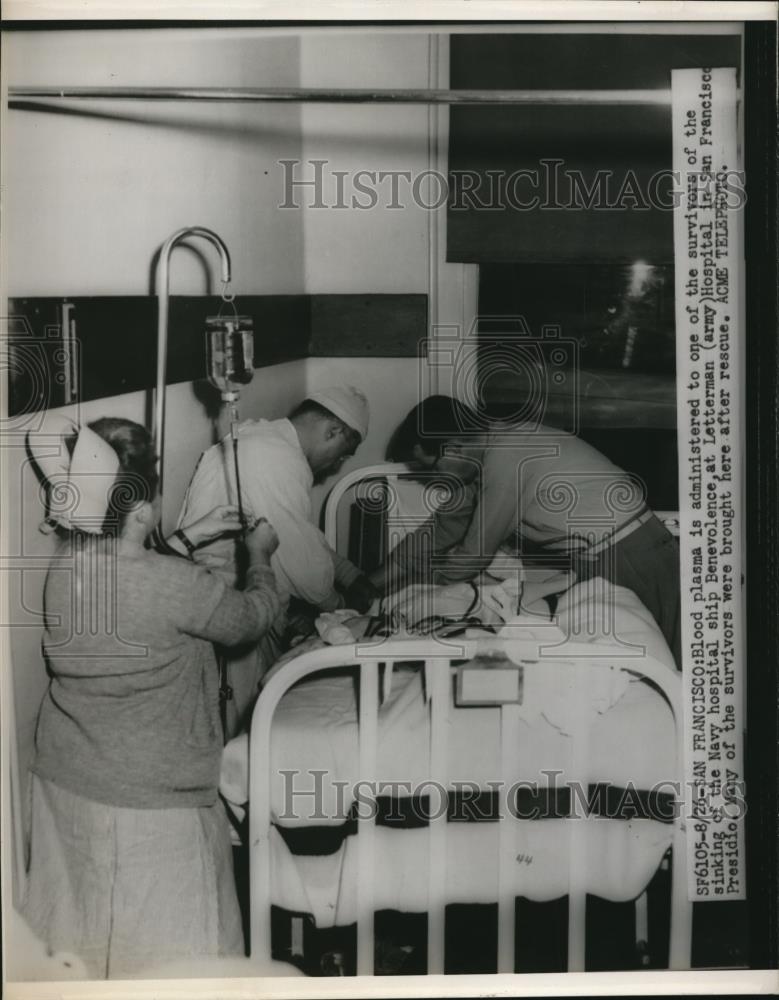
<point>391,472</point>
<point>438,671</point>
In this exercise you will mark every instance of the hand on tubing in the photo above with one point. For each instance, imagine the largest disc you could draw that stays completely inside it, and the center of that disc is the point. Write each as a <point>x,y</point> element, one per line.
<point>221,520</point>
<point>261,541</point>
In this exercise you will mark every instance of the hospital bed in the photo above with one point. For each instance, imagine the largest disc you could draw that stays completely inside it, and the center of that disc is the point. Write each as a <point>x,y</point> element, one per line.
<point>388,488</point>
<point>475,720</point>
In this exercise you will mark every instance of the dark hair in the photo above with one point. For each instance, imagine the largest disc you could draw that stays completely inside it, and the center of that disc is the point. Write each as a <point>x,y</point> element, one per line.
<point>433,424</point>
<point>311,408</point>
<point>137,478</point>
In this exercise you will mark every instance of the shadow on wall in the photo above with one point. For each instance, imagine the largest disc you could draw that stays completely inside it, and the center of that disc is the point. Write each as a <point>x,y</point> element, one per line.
<point>246,131</point>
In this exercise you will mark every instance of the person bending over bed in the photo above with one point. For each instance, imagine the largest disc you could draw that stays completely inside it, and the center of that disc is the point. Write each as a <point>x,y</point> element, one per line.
<point>130,860</point>
<point>524,483</point>
<point>280,460</point>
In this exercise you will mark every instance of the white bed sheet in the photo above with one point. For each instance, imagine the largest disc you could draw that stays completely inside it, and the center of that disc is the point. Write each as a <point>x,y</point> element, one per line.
<point>630,743</point>
<point>617,859</point>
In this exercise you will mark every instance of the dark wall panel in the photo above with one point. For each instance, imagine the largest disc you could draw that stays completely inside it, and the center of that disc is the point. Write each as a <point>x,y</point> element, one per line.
<point>114,339</point>
<point>384,326</point>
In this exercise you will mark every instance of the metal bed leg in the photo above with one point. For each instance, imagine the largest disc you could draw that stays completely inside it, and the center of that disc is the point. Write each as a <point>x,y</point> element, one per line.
<point>260,831</point>
<point>366,835</point>
<point>437,678</point>
<point>507,864</point>
<point>577,857</point>
<point>642,929</point>
<point>577,906</point>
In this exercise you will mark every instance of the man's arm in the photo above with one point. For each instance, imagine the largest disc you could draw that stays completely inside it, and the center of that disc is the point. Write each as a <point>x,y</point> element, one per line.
<point>357,589</point>
<point>303,560</point>
<point>209,488</point>
<point>494,519</point>
<point>276,484</point>
<point>345,572</point>
<point>411,561</point>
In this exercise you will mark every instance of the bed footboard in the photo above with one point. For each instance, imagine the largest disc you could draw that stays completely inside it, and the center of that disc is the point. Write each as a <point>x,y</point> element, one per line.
<point>371,662</point>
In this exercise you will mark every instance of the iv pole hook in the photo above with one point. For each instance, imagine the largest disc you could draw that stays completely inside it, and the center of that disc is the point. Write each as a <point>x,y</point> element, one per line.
<point>162,282</point>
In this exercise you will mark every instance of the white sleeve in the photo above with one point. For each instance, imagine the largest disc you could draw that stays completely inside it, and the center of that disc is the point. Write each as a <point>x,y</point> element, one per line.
<point>207,489</point>
<point>302,563</point>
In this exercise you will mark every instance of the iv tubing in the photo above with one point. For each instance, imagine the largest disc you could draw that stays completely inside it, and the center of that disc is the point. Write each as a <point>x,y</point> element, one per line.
<point>234,436</point>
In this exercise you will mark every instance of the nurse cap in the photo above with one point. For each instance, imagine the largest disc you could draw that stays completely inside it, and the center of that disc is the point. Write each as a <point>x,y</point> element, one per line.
<point>79,484</point>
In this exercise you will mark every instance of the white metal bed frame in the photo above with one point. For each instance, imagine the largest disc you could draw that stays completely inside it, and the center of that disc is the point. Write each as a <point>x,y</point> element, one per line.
<point>438,669</point>
<point>368,657</point>
<point>392,472</point>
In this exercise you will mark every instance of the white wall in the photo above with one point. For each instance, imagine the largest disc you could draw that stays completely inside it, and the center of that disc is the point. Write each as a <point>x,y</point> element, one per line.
<point>380,249</point>
<point>89,196</point>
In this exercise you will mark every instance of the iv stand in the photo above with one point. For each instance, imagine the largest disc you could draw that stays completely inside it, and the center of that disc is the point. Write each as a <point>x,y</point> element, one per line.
<point>158,432</point>
<point>163,306</point>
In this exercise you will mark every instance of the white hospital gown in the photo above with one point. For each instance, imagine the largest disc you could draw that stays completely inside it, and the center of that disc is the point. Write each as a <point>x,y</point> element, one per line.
<point>276,482</point>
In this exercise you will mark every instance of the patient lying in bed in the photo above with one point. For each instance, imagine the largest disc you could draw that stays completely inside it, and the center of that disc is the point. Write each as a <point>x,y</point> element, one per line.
<point>629,752</point>
<point>314,858</point>
<point>595,612</point>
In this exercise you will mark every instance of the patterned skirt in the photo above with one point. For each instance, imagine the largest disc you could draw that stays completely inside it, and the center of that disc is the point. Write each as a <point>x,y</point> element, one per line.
<point>126,889</point>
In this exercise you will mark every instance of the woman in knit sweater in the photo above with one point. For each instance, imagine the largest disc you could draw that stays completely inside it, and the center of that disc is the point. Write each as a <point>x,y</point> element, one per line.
<point>130,861</point>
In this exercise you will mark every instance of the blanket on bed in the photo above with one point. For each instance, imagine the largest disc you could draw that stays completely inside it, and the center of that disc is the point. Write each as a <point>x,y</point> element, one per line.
<point>620,783</point>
